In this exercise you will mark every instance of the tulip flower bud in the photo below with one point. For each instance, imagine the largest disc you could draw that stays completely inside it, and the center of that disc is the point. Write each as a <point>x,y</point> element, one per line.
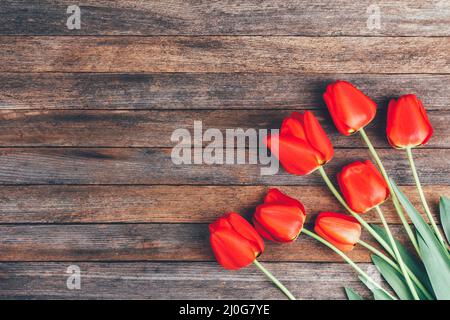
<point>407,122</point>
<point>350,109</point>
<point>362,185</point>
<point>339,229</point>
<point>302,145</point>
<point>280,218</point>
<point>234,241</point>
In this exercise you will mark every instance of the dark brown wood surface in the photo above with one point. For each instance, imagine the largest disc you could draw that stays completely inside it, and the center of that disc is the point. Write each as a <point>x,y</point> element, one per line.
<point>151,166</point>
<point>86,118</point>
<point>225,54</point>
<point>254,17</point>
<point>212,91</point>
<point>174,280</point>
<point>63,204</point>
<point>138,242</point>
<point>108,128</point>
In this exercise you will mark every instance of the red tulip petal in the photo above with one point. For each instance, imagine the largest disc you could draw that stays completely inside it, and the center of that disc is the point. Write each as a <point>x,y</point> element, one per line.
<point>341,246</point>
<point>317,138</point>
<point>339,228</point>
<point>246,230</point>
<point>350,109</point>
<point>293,126</point>
<point>275,196</point>
<point>230,251</point>
<point>295,155</point>
<point>407,124</point>
<point>282,222</point>
<point>234,241</point>
<point>340,125</point>
<point>362,185</point>
<point>262,231</point>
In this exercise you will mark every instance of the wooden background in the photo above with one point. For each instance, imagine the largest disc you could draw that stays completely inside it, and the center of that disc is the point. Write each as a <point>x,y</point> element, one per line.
<point>86,117</point>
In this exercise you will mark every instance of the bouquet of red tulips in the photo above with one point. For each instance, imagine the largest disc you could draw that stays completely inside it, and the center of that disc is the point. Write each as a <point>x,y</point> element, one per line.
<point>302,148</point>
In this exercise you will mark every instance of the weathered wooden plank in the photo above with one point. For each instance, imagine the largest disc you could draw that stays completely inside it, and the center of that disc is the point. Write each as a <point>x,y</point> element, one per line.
<point>172,280</point>
<point>175,17</point>
<point>83,128</point>
<point>138,242</point>
<point>155,166</point>
<point>206,91</point>
<point>225,54</point>
<point>143,204</point>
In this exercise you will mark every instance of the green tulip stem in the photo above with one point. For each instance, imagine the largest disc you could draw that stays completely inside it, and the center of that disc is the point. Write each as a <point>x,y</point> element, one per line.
<point>392,192</point>
<point>274,280</point>
<point>397,253</point>
<point>347,259</point>
<point>341,200</point>
<point>395,266</point>
<point>423,199</point>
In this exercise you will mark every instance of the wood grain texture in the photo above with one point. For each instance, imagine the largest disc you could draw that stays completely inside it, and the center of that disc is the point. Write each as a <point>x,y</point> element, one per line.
<point>154,166</point>
<point>169,204</point>
<point>172,280</point>
<point>226,54</point>
<point>86,118</point>
<point>139,242</point>
<point>154,128</point>
<point>153,91</point>
<point>175,17</point>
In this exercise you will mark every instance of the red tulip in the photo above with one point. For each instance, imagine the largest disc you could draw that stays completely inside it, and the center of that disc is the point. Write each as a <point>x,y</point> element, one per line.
<point>280,218</point>
<point>407,122</point>
<point>302,145</point>
<point>362,185</point>
<point>350,109</point>
<point>339,229</point>
<point>234,241</point>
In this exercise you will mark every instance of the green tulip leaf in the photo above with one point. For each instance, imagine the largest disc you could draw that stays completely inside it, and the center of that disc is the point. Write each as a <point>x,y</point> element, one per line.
<point>434,256</point>
<point>413,264</point>
<point>378,294</point>
<point>352,295</point>
<point>438,269</point>
<point>393,278</point>
<point>444,208</point>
